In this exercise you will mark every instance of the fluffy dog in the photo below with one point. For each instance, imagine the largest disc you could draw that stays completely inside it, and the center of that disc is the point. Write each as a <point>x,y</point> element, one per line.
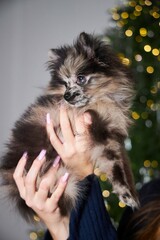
<point>86,77</point>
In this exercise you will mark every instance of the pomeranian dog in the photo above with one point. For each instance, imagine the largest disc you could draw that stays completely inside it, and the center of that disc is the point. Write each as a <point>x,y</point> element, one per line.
<point>87,77</point>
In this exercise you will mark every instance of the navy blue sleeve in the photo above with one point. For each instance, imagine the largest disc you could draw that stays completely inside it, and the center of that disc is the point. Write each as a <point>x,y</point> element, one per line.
<point>90,219</point>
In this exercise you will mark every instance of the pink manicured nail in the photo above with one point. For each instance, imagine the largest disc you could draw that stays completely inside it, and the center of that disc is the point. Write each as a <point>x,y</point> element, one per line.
<point>65,177</point>
<point>48,118</point>
<point>25,154</point>
<point>56,161</point>
<point>42,154</point>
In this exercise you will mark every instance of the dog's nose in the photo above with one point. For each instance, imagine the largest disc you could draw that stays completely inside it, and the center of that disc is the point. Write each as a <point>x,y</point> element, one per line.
<point>67,96</point>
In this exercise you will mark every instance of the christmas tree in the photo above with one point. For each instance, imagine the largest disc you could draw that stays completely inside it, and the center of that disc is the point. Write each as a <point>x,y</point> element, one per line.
<point>135,36</point>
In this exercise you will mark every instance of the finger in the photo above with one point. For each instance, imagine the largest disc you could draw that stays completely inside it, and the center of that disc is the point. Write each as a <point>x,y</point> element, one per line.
<point>55,141</point>
<point>30,181</point>
<point>18,175</point>
<point>49,180</point>
<point>80,125</point>
<point>53,200</point>
<point>65,125</point>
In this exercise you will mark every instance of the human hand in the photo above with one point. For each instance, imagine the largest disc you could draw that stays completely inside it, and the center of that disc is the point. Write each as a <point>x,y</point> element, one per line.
<point>37,199</point>
<point>74,150</point>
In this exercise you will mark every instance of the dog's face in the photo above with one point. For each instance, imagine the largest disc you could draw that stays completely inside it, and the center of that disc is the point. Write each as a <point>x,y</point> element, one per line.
<point>87,71</point>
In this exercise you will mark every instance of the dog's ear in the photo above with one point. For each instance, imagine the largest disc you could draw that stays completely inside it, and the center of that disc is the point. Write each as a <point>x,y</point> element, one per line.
<point>53,55</point>
<point>86,42</point>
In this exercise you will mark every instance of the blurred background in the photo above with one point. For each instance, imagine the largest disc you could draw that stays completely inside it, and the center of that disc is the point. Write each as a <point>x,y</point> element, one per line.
<point>29,28</point>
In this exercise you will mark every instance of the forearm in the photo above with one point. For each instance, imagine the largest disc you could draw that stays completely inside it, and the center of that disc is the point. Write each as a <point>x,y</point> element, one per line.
<point>59,232</point>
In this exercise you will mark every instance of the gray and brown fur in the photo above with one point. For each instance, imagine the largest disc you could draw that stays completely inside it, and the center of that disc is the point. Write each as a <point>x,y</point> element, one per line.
<point>86,77</point>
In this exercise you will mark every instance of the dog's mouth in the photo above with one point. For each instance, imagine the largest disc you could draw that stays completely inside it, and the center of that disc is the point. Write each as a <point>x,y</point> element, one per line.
<point>75,99</point>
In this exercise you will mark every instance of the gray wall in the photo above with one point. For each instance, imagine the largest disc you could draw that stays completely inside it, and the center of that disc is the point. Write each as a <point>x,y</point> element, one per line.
<point>28,28</point>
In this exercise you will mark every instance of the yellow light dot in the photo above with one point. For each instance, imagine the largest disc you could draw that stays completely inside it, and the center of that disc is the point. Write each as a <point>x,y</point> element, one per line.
<point>126,61</point>
<point>116,16</point>
<point>129,33</point>
<point>106,193</point>
<point>36,218</point>
<point>147,163</point>
<point>155,52</point>
<point>138,8</point>
<point>97,172</point>
<point>135,115</point>
<point>120,23</point>
<point>147,48</point>
<point>158,84</point>
<point>124,15</point>
<point>33,236</point>
<point>154,90</point>
<point>138,57</point>
<point>150,69</point>
<point>156,15</point>
<point>139,38</point>
<point>148,3</point>
<point>149,103</point>
<point>136,13</point>
<point>154,164</point>
<point>143,32</point>
<point>132,3</point>
<point>141,2</point>
<point>121,204</point>
<point>103,177</point>
<point>144,115</point>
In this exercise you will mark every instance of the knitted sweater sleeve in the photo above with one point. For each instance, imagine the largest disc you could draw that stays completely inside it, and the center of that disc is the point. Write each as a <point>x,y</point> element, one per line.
<point>90,220</point>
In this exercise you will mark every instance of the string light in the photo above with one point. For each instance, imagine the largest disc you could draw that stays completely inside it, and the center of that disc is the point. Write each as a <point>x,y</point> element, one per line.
<point>147,163</point>
<point>135,115</point>
<point>128,32</point>
<point>121,204</point>
<point>138,57</point>
<point>105,193</point>
<point>33,235</point>
<point>148,3</point>
<point>155,51</point>
<point>143,32</point>
<point>154,90</point>
<point>147,48</point>
<point>124,15</point>
<point>149,103</point>
<point>154,164</point>
<point>144,115</point>
<point>103,177</point>
<point>126,61</point>
<point>136,13</point>
<point>138,8</point>
<point>132,3</point>
<point>150,69</point>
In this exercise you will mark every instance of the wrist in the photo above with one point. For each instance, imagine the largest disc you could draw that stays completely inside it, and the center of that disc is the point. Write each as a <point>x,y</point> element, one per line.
<point>59,231</point>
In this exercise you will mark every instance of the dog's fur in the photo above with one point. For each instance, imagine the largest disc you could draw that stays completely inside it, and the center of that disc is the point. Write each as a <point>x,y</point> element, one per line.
<point>86,77</point>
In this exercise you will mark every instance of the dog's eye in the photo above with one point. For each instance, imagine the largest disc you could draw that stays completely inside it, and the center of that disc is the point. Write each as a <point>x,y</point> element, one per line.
<point>81,80</point>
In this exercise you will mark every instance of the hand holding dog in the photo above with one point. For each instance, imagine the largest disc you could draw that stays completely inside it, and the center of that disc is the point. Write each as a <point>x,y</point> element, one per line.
<point>73,152</point>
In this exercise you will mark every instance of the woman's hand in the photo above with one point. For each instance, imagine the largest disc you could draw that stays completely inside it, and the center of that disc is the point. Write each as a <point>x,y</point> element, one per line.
<point>74,150</point>
<point>45,207</point>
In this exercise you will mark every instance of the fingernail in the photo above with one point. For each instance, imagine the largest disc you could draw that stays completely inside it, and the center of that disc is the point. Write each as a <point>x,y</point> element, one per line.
<point>56,161</point>
<point>25,154</point>
<point>87,118</point>
<point>65,177</point>
<point>48,118</point>
<point>42,154</point>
